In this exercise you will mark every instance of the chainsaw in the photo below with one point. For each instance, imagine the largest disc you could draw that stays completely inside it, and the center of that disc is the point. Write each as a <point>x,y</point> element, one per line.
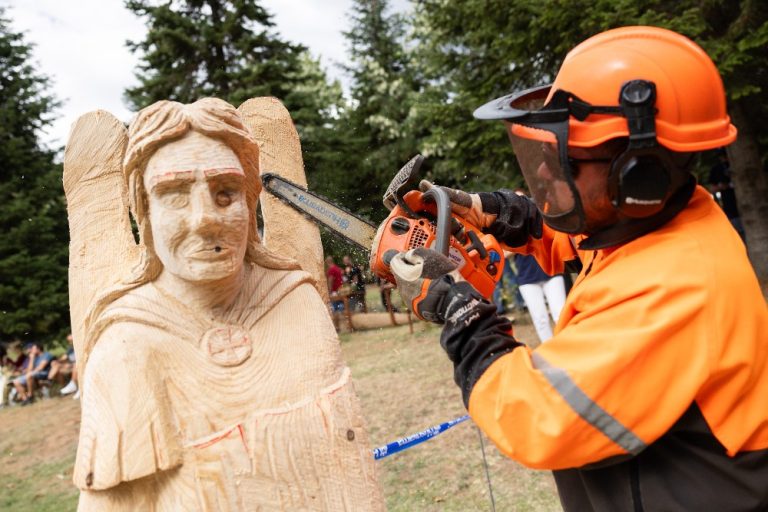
<point>416,219</point>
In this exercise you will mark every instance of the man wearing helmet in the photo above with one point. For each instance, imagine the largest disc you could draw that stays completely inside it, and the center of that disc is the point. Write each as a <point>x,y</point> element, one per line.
<point>652,393</point>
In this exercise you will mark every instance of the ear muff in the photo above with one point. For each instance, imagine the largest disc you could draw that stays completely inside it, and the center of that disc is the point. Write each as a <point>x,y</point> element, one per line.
<point>642,177</point>
<point>640,182</point>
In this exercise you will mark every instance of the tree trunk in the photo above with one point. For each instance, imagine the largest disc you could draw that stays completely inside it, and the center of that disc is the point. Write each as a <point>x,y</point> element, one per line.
<point>751,186</point>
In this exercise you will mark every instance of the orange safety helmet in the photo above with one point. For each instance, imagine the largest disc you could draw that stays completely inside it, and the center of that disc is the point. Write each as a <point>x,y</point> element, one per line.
<point>650,85</point>
<point>691,99</point>
<point>691,109</point>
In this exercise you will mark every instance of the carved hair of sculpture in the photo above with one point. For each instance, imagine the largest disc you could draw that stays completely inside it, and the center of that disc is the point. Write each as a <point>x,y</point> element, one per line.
<point>159,124</point>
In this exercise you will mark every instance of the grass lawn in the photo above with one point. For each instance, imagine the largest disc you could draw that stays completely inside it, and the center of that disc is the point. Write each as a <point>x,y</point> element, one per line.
<point>405,384</point>
<point>37,451</point>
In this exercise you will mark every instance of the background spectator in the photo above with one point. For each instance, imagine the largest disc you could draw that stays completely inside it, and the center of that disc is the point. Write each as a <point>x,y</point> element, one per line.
<point>535,287</point>
<point>36,369</point>
<point>66,365</point>
<point>10,367</point>
<point>335,278</point>
<point>507,287</point>
<point>353,275</point>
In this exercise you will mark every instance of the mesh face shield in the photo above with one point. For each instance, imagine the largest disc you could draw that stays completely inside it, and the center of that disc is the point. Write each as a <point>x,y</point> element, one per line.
<point>539,136</point>
<point>548,177</point>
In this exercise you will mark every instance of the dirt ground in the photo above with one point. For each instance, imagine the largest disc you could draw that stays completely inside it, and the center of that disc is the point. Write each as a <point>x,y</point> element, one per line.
<point>405,385</point>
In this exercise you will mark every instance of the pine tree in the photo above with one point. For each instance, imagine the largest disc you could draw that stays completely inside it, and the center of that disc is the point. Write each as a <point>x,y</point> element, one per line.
<point>370,137</point>
<point>225,49</point>
<point>34,246</point>
<point>222,48</point>
<point>469,58</point>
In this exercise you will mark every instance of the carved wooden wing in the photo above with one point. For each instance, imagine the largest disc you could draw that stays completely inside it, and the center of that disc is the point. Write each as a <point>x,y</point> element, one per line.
<point>102,248</point>
<point>286,232</point>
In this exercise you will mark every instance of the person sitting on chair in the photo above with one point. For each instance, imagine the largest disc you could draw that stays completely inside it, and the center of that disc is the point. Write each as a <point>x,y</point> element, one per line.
<point>36,369</point>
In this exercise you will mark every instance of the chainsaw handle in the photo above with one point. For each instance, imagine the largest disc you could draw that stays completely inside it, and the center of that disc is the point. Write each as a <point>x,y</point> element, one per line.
<point>443,229</point>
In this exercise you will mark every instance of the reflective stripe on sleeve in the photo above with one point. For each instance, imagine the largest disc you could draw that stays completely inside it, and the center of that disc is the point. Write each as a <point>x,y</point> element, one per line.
<point>585,407</point>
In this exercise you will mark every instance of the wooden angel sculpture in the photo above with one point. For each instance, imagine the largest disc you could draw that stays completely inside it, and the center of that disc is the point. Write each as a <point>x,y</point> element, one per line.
<point>212,375</point>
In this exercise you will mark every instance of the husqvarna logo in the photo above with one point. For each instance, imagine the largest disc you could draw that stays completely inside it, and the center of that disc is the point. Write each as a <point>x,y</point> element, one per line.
<point>633,200</point>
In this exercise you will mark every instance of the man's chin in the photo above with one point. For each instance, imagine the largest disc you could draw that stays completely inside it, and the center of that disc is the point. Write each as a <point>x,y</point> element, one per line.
<point>594,226</point>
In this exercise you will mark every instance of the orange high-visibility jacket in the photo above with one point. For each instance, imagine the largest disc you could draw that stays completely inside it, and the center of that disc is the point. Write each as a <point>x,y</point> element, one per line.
<point>672,319</point>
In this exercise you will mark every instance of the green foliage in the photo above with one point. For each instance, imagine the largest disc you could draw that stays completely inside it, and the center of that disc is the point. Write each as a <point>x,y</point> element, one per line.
<point>227,49</point>
<point>34,246</point>
<point>373,137</point>
<point>735,34</point>
<point>199,48</point>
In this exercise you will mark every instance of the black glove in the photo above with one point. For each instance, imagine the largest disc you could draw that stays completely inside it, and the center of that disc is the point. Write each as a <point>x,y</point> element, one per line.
<point>517,218</point>
<point>474,336</point>
<point>509,217</point>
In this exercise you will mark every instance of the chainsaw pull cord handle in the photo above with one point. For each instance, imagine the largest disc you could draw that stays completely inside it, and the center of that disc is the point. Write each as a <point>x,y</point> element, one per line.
<point>443,202</point>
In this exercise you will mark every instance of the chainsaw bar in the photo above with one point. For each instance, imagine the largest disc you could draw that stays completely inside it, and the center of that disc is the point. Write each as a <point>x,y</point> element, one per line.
<point>319,209</point>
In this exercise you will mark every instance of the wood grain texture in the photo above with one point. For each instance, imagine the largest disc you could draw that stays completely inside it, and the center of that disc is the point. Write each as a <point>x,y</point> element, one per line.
<point>96,205</point>
<point>286,231</point>
<point>214,379</point>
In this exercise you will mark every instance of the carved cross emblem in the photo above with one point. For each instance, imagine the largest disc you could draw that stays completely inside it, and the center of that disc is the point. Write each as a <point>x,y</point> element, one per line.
<point>227,345</point>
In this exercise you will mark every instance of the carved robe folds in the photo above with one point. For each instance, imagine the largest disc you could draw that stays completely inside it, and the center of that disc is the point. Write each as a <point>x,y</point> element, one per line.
<point>199,413</point>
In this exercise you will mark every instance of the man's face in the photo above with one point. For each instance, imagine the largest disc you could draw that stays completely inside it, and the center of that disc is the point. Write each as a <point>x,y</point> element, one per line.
<point>590,169</point>
<point>197,208</point>
<point>547,178</point>
<point>347,261</point>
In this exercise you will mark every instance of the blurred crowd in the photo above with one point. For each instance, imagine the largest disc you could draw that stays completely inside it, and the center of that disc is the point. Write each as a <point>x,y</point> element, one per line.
<point>29,372</point>
<point>346,285</point>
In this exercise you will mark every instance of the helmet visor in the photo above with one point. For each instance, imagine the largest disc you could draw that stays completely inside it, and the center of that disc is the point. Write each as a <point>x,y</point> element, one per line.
<point>515,106</point>
<point>538,122</point>
<point>544,163</point>
<point>536,130</point>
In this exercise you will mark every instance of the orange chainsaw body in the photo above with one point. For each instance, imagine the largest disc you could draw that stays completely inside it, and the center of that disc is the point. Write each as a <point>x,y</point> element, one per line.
<point>480,266</point>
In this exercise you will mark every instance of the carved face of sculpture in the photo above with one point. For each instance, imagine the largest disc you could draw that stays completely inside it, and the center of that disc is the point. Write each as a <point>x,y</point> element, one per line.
<point>197,208</point>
